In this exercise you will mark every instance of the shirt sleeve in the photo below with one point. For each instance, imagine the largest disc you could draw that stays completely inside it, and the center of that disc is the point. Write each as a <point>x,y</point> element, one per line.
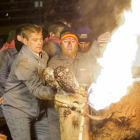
<point>94,51</point>
<point>53,63</point>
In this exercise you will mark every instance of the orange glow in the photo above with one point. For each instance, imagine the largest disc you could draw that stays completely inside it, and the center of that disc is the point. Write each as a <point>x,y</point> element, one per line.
<point>117,61</point>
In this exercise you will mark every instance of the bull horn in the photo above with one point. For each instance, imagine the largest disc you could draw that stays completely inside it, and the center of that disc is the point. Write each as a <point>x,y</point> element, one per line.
<point>99,118</point>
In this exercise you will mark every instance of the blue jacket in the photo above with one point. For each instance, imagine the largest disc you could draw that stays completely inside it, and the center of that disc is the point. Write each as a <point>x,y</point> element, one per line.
<point>24,87</point>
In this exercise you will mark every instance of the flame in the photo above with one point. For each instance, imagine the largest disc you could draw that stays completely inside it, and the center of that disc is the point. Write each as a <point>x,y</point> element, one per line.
<point>116,76</point>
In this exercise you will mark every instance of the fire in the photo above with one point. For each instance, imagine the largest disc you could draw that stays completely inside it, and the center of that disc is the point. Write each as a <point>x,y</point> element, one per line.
<point>117,61</point>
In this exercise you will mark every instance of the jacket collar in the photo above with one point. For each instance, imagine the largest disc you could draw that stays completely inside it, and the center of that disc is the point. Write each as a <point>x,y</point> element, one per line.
<point>12,51</point>
<point>32,53</point>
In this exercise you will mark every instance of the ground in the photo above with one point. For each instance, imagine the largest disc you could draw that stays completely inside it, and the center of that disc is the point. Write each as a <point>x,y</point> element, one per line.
<point>124,124</point>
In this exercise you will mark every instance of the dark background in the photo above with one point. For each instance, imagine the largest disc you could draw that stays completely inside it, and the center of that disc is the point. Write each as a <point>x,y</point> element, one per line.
<point>99,15</point>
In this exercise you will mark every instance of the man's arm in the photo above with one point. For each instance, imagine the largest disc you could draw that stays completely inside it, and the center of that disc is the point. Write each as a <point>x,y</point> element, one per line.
<point>54,62</point>
<point>102,41</point>
<point>29,76</point>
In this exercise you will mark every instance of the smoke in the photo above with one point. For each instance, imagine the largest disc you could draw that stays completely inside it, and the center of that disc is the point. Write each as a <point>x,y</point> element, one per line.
<point>101,15</point>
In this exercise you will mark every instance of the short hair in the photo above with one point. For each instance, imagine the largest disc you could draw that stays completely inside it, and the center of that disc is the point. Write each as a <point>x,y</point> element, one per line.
<point>30,28</point>
<point>62,19</point>
<point>20,29</point>
<point>59,19</point>
<point>54,28</point>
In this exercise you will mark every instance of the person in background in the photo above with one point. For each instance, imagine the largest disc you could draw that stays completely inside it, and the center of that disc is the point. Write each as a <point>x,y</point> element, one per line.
<point>63,20</point>
<point>13,39</point>
<point>7,57</point>
<point>25,91</point>
<point>88,45</point>
<point>12,35</point>
<point>54,31</point>
<point>52,44</point>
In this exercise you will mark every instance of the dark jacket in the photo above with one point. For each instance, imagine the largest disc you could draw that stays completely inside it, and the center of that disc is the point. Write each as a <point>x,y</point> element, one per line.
<point>85,70</point>
<point>24,87</point>
<point>82,68</point>
<point>6,59</point>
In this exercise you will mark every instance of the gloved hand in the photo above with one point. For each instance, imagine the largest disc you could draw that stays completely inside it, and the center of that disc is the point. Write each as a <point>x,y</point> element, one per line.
<point>48,75</point>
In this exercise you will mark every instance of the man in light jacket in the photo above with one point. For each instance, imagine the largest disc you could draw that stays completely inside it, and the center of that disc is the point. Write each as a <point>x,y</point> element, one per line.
<point>24,89</point>
<point>76,61</point>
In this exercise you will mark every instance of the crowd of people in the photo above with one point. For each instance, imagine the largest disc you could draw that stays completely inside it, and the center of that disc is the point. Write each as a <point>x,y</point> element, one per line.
<point>27,102</point>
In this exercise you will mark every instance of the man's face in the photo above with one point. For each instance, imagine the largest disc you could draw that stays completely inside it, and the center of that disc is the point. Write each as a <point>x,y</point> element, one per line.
<point>69,47</point>
<point>84,46</point>
<point>34,42</point>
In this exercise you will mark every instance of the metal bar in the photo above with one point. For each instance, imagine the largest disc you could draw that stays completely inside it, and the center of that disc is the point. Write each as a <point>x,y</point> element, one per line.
<point>15,2</point>
<point>15,10</point>
<point>39,9</point>
<point>36,16</point>
<point>44,1</point>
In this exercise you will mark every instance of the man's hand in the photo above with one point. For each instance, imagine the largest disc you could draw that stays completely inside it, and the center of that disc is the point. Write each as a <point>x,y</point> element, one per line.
<point>48,75</point>
<point>1,100</point>
<point>103,39</point>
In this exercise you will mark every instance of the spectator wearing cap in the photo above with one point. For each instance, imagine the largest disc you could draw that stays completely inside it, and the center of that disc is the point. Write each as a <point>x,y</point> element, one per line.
<point>90,46</point>
<point>52,43</point>
<point>77,63</point>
